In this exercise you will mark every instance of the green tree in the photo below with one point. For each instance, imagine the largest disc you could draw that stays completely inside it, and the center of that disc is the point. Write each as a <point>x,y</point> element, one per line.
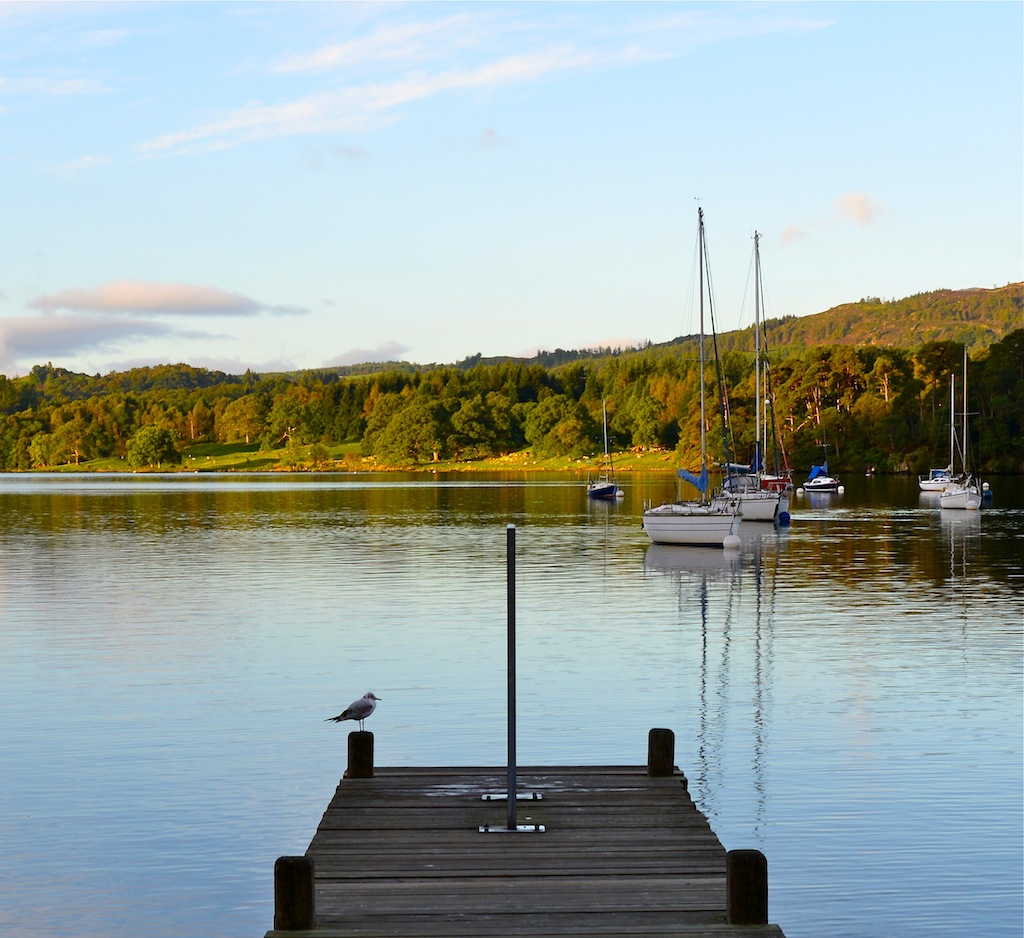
<point>414,434</point>
<point>244,419</point>
<point>152,446</point>
<point>558,425</point>
<point>998,390</point>
<point>473,428</point>
<point>199,421</point>
<point>72,440</point>
<point>40,450</point>
<point>8,395</point>
<point>381,408</point>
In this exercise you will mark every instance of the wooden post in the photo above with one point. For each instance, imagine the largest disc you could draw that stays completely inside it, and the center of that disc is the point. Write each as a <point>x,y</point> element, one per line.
<point>294,896</point>
<point>360,754</point>
<point>661,752</point>
<point>746,887</point>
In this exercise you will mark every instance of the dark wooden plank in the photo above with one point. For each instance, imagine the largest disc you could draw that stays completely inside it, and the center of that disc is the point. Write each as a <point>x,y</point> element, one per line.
<point>418,897</point>
<point>623,853</point>
<point>536,925</point>
<point>329,869</point>
<point>429,928</point>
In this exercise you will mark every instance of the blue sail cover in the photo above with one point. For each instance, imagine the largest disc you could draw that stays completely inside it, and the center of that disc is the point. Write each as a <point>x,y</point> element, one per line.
<point>701,481</point>
<point>817,471</point>
<point>757,463</point>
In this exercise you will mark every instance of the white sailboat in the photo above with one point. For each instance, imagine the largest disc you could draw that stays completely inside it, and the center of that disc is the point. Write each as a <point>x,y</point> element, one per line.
<point>762,497</point>
<point>964,492</point>
<point>604,485</point>
<point>938,479</point>
<point>703,522</point>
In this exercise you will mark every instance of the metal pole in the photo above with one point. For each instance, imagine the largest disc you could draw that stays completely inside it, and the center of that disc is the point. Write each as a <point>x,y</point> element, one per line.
<point>510,551</point>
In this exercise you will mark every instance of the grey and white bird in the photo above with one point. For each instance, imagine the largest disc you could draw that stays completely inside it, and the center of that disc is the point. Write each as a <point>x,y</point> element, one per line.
<point>357,710</point>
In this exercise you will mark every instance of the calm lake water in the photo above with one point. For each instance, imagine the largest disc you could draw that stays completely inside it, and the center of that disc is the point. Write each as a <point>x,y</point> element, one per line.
<point>846,693</point>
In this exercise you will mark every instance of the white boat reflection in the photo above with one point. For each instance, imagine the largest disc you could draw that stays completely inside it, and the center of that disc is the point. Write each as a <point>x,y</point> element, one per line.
<point>679,559</point>
<point>961,530</point>
<point>960,524</point>
<point>726,602</point>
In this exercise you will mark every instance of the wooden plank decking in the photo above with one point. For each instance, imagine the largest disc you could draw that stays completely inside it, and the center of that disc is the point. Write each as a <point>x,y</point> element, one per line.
<point>622,853</point>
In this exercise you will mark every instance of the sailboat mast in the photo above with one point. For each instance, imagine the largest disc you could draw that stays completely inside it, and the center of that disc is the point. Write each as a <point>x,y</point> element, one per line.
<point>952,421</point>
<point>964,447</point>
<point>604,422</point>
<point>757,353</point>
<point>700,279</point>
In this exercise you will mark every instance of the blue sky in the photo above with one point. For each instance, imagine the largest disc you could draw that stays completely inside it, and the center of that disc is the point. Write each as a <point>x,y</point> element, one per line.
<point>279,186</point>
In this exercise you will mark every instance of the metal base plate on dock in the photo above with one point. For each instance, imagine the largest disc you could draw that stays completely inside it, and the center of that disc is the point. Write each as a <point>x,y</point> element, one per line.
<point>520,796</point>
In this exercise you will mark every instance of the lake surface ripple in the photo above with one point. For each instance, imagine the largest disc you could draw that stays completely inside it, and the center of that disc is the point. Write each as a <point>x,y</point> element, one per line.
<point>846,693</point>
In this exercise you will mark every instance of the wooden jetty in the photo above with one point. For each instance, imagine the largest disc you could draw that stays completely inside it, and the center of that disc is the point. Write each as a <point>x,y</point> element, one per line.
<point>597,850</point>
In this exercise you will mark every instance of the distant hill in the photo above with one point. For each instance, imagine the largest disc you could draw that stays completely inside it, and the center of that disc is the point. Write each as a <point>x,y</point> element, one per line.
<point>975,317</point>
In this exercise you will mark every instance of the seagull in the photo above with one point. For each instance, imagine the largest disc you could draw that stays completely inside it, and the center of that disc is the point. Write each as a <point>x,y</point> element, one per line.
<point>357,710</point>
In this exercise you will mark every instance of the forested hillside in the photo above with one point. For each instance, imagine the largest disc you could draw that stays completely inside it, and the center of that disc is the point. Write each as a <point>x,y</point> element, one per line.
<point>873,400</point>
<point>975,318</point>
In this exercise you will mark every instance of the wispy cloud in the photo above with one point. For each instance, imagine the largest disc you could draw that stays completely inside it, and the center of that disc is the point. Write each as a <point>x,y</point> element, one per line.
<point>681,28</point>
<point>385,352</point>
<point>35,338</point>
<point>122,312</point>
<point>361,108</point>
<point>365,80</point>
<point>405,42</point>
<point>490,139</point>
<point>856,207</point>
<point>859,208</point>
<point>317,160</point>
<point>82,164</point>
<point>135,298</point>
<point>102,38</point>
<point>51,87</point>
<point>350,154</point>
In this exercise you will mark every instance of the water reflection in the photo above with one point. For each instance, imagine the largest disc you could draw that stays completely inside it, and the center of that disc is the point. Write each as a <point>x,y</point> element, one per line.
<point>961,530</point>
<point>691,563</point>
<point>735,665</point>
<point>172,645</point>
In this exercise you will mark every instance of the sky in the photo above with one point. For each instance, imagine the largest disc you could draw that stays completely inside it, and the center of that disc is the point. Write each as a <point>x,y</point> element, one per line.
<point>267,186</point>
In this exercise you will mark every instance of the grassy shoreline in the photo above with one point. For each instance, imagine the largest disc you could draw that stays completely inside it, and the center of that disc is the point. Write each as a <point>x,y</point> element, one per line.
<point>345,457</point>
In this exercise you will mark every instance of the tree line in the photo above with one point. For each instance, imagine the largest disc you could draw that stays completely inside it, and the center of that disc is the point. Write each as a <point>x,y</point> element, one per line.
<point>871,405</point>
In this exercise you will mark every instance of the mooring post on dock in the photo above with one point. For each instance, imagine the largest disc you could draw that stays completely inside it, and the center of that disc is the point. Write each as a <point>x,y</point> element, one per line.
<point>294,895</point>
<point>746,887</point>
<point>510,562</point>
<point>360,754</point>
<point>661,752</point>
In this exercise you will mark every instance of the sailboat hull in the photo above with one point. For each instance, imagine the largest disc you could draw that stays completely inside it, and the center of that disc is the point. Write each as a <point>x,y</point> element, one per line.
<point>690,523</point>
<point>757,501</point>
<point>961,496</point>
<point>936,480</point>
<point>763,506</point>
<point>604,490</point>
<point>822,484</point>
